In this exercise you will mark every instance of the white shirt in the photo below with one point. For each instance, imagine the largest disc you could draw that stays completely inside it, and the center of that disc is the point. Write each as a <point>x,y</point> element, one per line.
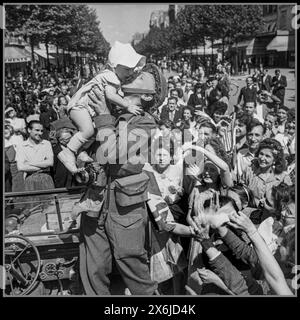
<point>32,152</point>
<point>171,177</point>
<point>243,158</point>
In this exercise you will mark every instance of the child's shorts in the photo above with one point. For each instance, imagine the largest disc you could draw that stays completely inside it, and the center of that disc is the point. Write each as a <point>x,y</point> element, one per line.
<point>84,103</point>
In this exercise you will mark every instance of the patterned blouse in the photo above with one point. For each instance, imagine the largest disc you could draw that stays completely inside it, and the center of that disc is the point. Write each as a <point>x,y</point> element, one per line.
<point>261,183</point>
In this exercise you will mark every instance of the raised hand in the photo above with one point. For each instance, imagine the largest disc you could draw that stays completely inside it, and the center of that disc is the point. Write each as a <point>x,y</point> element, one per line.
<point>241,221</point>
<point>202,228</point>
<point>96,99</point>
<point>134,110</point>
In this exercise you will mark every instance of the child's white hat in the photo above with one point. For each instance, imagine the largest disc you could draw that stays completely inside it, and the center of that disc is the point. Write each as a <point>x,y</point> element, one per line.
<point>125,55</point>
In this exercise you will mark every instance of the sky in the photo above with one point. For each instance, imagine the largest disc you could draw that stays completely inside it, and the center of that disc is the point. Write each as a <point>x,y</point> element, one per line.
<point>121,21</point>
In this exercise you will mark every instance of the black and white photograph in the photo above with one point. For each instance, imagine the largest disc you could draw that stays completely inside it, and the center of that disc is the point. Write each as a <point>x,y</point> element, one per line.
<point>149,149</point>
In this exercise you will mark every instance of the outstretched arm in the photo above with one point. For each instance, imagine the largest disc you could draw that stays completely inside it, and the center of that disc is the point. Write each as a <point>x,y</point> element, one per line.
<point>270,267</point>
<point>238,247</point>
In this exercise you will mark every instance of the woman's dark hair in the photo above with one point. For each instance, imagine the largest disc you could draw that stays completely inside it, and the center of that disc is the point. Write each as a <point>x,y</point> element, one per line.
<point>59,99</point>
<point>219,149</point>
<point>180,92</point>
<point>223,200</point>
<point>277,151</point>
<point>272,113</point>
<point>282,194</point>
<point>198,86</point>
<point>207,124</point>
<point>245,194</point>
<point>191,110</point>
<point>291,114</point>
<point>44,106</point>
<point>220,106</point>
<point>244,118</point>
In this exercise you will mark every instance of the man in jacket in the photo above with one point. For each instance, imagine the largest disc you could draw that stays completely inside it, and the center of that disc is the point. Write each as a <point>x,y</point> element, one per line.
<point>171,111</point>
<point>279,84</point>
<point>248,93</point>
<point>266,81</point>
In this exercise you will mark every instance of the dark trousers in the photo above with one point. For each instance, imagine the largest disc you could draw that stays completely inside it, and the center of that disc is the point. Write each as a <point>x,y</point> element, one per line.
<point>118,234</point>
<point>280,94</point>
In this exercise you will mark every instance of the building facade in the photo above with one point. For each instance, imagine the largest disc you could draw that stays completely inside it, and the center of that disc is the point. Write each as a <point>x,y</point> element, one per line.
<point>274,45</point>
<point>159,19</point>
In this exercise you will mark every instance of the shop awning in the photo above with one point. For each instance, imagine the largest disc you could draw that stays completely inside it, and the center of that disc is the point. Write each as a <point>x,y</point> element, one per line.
<point>16,55</point>
<point>257,46</point>
<point>282,43</point>
<point>244,43</point>
<point>200,51</point>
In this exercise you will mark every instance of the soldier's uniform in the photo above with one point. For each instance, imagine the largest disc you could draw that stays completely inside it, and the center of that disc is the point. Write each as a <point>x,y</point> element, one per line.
<point>119,230</point>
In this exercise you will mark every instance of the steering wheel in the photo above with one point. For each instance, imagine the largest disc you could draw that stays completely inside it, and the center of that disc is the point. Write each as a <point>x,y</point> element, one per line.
<point>22,265</point>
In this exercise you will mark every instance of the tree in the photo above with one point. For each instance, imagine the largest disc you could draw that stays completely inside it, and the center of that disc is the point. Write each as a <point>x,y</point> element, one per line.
<point>70,27</point>
<point>230,23</point>
<point>19,20</point>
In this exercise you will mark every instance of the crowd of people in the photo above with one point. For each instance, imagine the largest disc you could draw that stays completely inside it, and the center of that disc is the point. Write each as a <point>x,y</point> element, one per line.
<point>231,211</point>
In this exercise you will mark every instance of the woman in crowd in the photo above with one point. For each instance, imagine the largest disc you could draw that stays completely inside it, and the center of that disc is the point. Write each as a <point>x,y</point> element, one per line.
<point>288,139</point>
<point>197,99</point>
<point>10,138</point>
<point>209,180</point>
<point>267,170</point>
<point>62,104</point>
<point>282,116</point>
<point>189,122</point>
<point>18,124</point>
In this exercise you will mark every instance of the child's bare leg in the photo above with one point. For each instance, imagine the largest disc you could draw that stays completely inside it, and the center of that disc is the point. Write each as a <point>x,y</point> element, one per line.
<point>83,121</point>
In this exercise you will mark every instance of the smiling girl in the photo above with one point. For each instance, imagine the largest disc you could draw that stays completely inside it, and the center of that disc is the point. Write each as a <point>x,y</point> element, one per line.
<point>268,169</point>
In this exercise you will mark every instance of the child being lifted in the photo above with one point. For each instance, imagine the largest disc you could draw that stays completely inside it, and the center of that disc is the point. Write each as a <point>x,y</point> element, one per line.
<point>123,63</point>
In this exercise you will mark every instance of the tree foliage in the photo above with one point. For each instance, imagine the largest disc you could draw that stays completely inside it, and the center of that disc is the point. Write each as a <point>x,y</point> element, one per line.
<point>72,27</point>
<point>195,23</point>
<point>156,42</point>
